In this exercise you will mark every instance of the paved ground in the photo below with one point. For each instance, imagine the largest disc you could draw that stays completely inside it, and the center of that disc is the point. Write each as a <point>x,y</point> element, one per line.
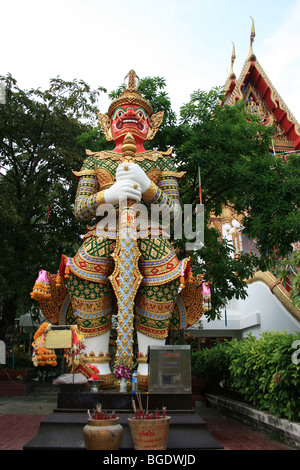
<point>20,419</point>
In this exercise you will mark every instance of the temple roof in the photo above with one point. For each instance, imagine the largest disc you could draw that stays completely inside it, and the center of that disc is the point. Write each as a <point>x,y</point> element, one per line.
<point>254,86</point>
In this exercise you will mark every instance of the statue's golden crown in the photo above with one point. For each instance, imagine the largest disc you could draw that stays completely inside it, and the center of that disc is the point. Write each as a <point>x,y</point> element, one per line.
<point>131,95</point>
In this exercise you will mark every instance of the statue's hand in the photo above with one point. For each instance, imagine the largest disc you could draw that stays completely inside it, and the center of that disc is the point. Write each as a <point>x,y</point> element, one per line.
<point>123,189</point>
<point>133,172</point>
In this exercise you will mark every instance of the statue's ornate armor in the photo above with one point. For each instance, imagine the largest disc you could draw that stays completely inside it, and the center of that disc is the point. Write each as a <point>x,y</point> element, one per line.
<point>91,292</point>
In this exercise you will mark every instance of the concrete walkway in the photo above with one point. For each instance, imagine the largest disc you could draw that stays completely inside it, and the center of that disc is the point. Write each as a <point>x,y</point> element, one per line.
<point>20,418</point>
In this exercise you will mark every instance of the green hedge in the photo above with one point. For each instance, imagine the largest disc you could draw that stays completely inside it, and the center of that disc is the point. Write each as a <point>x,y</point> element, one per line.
<point>260,370</point>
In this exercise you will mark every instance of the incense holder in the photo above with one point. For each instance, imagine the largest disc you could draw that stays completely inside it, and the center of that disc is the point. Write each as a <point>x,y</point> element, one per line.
<point>103,434</point>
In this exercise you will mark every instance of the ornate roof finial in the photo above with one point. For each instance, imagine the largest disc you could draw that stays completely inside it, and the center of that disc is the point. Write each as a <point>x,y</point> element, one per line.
<point>251,56</point>
<point>130,95</point>
<point>232,74</point>
<point>131,80</point>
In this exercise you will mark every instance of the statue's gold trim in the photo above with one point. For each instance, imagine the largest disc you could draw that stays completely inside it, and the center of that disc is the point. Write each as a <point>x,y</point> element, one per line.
<point>151,155</point>
<point>150,192</point>
<point>100,359</point>
<point>174,174</point>
<point>80,173</point>
<point>141,359</point>
<point>277,289</point>
<point>100,198</point>
<point>143,382</point>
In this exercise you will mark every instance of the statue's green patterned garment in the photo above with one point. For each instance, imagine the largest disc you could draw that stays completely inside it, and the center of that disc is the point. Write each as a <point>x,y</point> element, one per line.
<point>92,296</point>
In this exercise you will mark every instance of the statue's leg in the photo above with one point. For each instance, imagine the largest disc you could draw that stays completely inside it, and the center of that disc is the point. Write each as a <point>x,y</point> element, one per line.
<point>93,305</point>
<point>154,308</point>
<point>96,352</point>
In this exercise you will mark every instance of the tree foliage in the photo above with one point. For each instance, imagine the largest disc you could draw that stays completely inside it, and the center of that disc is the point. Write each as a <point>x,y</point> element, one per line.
<point>288,270</point>
<point>39,148</point>
<point>231,147</point>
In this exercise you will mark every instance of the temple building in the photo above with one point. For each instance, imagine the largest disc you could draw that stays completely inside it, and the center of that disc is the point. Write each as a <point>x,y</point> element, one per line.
<point>256,89</point>
<point>268,305</point>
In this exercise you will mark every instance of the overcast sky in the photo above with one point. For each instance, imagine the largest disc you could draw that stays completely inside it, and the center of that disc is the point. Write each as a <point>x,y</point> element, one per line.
<point>188,42</point>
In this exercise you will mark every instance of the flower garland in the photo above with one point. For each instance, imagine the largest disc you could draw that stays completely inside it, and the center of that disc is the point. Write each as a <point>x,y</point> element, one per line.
<point>73,354</point>
<point>42,330</point>
<point>42,356</point>
<point>41,289</point>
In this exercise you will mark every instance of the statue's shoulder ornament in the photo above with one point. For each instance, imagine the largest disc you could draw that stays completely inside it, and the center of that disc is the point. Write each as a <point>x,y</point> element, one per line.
<point>152,155</point>
<point>88,167</point>
<point>93,161</point>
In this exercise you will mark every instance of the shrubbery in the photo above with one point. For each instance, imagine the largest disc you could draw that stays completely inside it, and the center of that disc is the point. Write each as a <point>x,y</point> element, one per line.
<point>260,370</point>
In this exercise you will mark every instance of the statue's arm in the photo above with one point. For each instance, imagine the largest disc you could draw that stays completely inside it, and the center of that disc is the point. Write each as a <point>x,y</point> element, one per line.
<point>88,197</point>
<point>165,193</point>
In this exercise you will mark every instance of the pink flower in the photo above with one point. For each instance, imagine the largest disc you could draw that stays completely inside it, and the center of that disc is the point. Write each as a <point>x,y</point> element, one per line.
<point>122,371</point>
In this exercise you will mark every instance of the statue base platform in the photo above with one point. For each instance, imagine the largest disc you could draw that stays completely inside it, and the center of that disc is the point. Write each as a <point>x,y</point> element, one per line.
<point>113,400</point>
<point>63,429</point>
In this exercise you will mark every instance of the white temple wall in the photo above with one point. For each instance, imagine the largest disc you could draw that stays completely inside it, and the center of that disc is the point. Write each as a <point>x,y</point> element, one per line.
<point>259,312</point>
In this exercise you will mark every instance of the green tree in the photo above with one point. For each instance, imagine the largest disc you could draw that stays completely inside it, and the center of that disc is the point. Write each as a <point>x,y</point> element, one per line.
<point>39,148</point>
<point>288,269</point>
<point>232,149</point>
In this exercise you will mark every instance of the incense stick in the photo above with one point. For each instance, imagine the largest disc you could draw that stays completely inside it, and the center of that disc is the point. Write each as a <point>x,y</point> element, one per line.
<point>134,408</point>
<point>139,414</point>
<point>98,407</point>
<point>139,401</point>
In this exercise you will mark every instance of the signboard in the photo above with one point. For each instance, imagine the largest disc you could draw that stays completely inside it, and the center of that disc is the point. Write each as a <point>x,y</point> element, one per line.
<point>59,338</point>
<point>170,369</point>
<point>2,353</point>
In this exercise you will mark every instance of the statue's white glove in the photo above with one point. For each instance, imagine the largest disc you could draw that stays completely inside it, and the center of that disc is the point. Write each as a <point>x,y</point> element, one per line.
<point>133,172</point>
<point>123,189</point>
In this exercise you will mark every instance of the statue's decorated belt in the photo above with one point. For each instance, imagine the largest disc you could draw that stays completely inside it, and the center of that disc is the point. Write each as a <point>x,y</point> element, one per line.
<point>154,272</point>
